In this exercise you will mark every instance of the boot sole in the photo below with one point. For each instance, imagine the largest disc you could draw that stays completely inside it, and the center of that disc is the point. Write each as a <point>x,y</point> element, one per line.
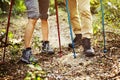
<point>89,54</point>
<point>24,60</point>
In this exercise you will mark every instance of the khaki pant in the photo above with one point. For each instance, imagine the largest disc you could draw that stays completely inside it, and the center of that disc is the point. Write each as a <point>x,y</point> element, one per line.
<point>81,18</point>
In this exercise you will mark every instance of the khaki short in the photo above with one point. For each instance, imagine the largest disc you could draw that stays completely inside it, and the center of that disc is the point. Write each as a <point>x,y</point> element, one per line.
<point>37,8</point>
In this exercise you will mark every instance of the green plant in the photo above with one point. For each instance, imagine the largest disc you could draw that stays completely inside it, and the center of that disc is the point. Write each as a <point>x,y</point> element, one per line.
<point>111,14</point>
<point>19,7</point>
<point>35,73</point>
<point>13,45</point>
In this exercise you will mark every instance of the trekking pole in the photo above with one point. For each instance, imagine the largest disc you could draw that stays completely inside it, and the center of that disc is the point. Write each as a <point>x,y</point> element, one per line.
<point>70,26</point>
<point>57,20</point>
<point>7,29</point>
<point>103,27</point>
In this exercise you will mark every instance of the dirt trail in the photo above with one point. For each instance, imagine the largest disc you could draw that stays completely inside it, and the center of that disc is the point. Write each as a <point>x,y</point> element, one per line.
<point>100,67</point>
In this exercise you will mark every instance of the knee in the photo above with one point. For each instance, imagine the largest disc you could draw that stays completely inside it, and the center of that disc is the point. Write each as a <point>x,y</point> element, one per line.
<point>44,17</point>
<point>44,21</point>
<point>85,13</point>
<point>32,21</point>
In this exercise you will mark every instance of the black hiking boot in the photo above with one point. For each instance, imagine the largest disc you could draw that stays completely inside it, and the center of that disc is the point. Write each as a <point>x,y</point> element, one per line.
<point>46,48</point>
<point>77,41</point>
<point>27,56</point>
<point>88,50</point>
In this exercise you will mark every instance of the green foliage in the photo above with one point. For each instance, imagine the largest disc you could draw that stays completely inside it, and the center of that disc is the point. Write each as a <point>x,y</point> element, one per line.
<point>111,14</point>
<point>36,42</point>
<point>19,6</point>
<point>13,44</point>
<point>36,73</point>
<point>52,7</point>
<point>10,35</point>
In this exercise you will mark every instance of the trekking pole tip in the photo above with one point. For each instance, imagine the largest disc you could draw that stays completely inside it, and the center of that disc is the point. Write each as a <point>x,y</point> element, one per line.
<point>74,55</point>
<point>60,53</point>
<point>105,51</point>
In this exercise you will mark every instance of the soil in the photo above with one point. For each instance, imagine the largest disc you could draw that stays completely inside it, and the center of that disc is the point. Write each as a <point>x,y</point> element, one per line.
<point>61,65</point>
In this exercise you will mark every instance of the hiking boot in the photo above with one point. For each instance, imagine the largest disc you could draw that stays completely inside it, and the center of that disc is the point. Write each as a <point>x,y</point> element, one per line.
<point>46,48</point>
<point>77,41</point>
<point>27,56</point>
<point>88,50</point>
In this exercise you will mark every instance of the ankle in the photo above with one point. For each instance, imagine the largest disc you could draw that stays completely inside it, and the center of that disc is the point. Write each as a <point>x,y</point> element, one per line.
<point>78,35</point>
<point>28,48</point>
<point>45,41</point>
<point>86,43</point>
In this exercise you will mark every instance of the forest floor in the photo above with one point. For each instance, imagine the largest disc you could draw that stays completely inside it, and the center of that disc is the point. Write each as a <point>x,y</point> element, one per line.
<point>103,66</point>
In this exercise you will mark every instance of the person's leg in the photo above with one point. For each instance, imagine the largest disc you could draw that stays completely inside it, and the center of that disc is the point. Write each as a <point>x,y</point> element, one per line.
<point>75,21</point>
<point>33,15</point>
<point>86,22</point>
<point>74,16</point>
<point>45,29</point>
<point>86,18</point>
<point>29,32</point>
<point>43,8</point>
